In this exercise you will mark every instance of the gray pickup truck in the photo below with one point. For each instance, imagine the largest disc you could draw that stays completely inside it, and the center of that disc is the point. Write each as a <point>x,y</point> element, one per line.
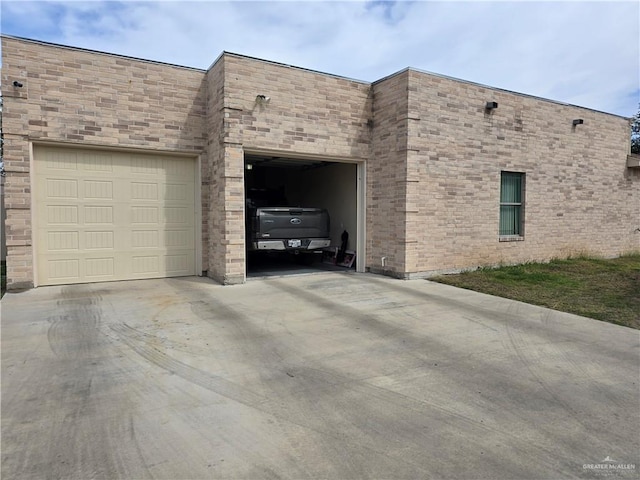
<point>291,229</point>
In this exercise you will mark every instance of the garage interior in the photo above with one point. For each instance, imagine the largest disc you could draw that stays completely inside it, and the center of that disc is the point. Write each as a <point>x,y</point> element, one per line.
<point>303,183</point>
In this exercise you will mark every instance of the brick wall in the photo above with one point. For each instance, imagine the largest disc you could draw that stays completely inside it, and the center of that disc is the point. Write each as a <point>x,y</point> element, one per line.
<point>17,204</point>
<point>87,98</point>
<point>580,197</point>
<point>387,177</point>
<point>92,98</point>
<point>308,112</point>
<point>212,177</point>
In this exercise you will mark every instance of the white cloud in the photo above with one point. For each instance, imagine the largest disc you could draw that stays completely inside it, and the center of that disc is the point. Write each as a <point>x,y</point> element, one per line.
<point>586,53</point>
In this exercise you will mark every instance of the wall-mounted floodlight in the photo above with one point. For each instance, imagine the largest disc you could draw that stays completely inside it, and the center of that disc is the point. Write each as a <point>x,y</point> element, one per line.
<point>17,84</point>
<point>578,121</point>
<point>491,105</point>
<point>262,99</point>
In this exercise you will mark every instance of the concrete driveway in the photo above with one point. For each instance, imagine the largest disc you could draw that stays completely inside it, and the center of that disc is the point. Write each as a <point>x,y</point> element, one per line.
<point>333,376</point>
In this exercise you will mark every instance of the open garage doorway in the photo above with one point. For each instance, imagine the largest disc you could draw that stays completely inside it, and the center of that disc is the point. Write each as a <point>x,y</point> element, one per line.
<point>296,184</point>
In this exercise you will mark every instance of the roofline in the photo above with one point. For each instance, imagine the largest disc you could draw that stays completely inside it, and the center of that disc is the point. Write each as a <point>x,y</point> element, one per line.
<point>100,52</point>
<point>286,65</point>
<point>156,62</point>
<point>497,89</point>
<point>317,72</point>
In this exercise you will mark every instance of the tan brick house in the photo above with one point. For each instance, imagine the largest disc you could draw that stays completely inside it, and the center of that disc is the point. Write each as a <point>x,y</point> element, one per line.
<point>120,168</point>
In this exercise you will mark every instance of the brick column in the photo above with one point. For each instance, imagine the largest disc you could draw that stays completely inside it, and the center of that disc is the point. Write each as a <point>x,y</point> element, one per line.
<point>226,215</point>
<point>17,202</point>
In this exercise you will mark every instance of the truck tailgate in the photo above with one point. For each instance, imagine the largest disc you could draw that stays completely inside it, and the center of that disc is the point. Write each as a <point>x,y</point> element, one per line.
<point>286,222</point>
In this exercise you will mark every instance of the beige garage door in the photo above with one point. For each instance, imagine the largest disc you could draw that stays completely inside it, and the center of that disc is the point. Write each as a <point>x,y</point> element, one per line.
<point>104,215</point>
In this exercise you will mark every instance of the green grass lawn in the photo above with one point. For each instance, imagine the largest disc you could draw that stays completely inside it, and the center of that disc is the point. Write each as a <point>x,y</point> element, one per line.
<point>604,289</point>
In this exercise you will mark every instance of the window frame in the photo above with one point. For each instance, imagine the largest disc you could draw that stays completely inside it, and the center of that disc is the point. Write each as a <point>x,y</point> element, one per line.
<point>518,233</point>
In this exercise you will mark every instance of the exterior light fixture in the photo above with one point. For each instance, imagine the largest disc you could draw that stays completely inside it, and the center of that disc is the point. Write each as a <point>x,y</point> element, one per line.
<point>491,105</point>
<point>578,121</point>
<point>17,84</point>
<point>262,99</point>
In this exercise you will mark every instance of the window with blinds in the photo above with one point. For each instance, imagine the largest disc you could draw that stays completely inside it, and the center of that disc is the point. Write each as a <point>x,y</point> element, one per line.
<point>511,204</point>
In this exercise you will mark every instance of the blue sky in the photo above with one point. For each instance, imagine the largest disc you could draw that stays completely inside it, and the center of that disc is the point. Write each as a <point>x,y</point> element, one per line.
<point>585,53</point>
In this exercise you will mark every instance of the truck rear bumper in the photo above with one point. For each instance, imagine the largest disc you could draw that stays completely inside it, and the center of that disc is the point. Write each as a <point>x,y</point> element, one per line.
<point>269,245</point>
<point>312,244</point>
